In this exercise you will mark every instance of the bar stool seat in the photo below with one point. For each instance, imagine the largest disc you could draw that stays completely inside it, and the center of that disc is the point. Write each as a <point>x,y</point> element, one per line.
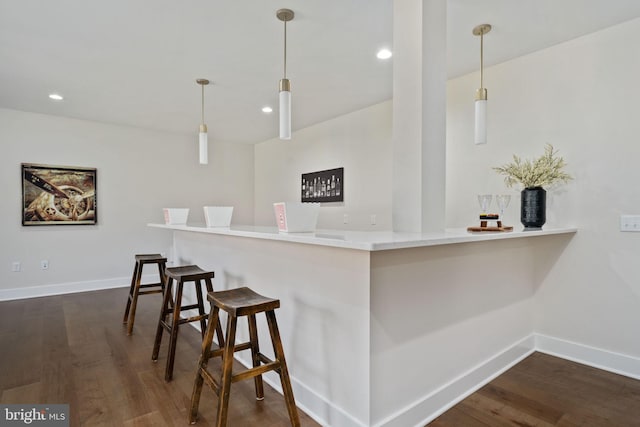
<point>240,302</point>
<point>150,288</point>
<point>172,307</point>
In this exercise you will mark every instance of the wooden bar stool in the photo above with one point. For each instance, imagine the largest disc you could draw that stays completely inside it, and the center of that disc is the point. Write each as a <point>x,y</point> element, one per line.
<point>241,302</point>
<point>171,306</point>
<point>135,289</point>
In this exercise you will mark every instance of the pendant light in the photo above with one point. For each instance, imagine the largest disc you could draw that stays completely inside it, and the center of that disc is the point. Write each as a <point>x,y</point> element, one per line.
<point>285,15</point>
<point>204,155</point>
<point>480,133</point>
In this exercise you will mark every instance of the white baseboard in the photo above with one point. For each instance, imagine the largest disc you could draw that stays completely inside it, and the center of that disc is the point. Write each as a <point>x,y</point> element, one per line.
<point>441,400</point>
<point>425,410</point>
<point>70,288</point>
<point>317,407</point>
<point>617,363</point>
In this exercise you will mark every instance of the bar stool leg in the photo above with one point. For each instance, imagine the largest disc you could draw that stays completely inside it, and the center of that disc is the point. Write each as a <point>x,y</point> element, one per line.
<point>283,371</point>
<point>163,277</point>
<point>133,283</point>
<point>202,364</point>
<point>175,327</point>
<point>203,321</point>
<point>134,302</point>
<point>219,333</point>
<point>227,367</point>
<point>255,349</point>
<point>163,314</point>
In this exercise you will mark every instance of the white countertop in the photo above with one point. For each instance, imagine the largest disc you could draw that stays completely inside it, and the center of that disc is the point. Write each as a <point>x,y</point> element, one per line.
<point>366,240</point>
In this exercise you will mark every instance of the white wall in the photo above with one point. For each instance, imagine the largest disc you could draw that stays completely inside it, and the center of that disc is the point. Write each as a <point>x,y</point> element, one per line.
<point>139,173</point>
<point>359,142</point>
<point>582,97</point>
<point>323,318</point>
<point>419,115</point>
<point>440,313</point>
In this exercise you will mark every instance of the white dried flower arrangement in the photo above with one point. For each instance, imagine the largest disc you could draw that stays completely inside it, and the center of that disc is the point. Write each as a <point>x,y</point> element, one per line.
<point>544,171</point>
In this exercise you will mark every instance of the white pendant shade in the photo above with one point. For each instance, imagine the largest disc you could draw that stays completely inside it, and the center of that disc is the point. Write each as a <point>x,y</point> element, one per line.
<point>204,149</point>
<point>285,114</point>
<point>481,122</point>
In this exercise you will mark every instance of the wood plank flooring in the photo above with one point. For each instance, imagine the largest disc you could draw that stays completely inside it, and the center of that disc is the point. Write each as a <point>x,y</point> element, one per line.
<point>74,349</point>
<point>543,391</point>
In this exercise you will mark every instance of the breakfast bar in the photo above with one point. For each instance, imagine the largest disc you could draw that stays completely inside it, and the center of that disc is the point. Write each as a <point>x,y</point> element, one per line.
<point>380,328</point>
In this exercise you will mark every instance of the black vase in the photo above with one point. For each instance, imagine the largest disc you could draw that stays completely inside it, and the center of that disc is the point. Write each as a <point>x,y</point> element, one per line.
<point>533,208</point>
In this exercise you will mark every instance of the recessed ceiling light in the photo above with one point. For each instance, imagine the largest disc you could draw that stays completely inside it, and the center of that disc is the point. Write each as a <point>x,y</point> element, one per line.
<point>384,54</point>
<point>267,109</point>
<point>56,97</point>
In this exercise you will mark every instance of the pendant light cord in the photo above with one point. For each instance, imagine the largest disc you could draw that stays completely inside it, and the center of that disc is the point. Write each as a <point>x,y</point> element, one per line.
<point>202,104</point>
<point>285,49</point>
<point>482,60</point>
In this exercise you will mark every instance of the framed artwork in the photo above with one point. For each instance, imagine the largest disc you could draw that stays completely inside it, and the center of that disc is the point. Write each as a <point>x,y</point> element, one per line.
<point>58,195</point>
<point>323,186</point>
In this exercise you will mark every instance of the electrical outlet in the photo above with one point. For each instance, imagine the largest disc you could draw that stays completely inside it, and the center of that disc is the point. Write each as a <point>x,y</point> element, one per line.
<point>345,219</point>
<point>15,266</point>
<point>44,264</point>
<point>629,222</point>
<point>373,219</point>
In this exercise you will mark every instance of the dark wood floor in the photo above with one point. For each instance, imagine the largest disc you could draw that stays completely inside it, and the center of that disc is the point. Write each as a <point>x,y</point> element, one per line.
<point>543,390</point>
<point>74,349</point>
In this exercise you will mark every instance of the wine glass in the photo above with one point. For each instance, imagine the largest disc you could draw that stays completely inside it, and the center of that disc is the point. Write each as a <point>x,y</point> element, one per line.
<point>485,201</point>
<point>503,202</point>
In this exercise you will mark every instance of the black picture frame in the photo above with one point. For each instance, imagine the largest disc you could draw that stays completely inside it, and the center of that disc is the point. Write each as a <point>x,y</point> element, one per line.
<point>58,195</point>
<point>322,186</point>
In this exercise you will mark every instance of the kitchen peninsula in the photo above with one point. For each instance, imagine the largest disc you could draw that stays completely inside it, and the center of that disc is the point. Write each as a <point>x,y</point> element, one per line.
<point>384,328</point>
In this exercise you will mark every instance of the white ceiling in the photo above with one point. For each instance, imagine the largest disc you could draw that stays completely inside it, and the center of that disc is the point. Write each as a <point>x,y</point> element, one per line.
<point>135,62</point>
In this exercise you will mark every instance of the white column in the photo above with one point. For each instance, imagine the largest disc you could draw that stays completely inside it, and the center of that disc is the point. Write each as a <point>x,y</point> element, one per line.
<point>419,114</point>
